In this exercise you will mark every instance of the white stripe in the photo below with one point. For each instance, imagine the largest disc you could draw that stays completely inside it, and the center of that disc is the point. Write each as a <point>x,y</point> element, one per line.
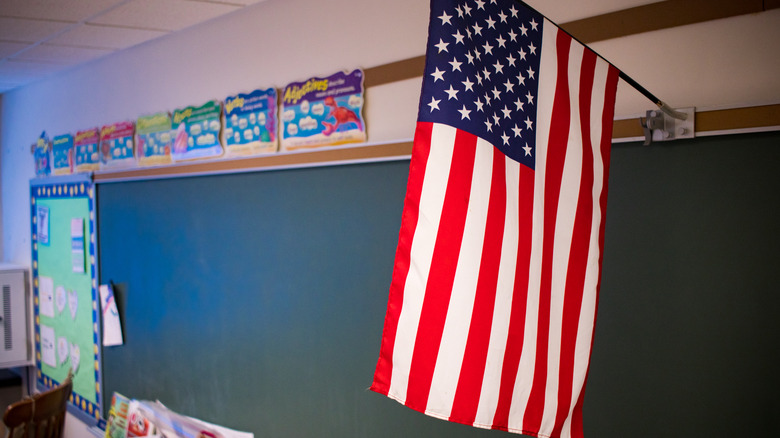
<point>547,74</point>
<point>461,305</point>
<point>488,400</point>
<point>421,253</point>
<point>588,311</point>
<point>564,230</point>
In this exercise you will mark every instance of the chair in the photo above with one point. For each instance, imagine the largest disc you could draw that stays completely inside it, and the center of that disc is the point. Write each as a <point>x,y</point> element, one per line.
<point>39,416</point>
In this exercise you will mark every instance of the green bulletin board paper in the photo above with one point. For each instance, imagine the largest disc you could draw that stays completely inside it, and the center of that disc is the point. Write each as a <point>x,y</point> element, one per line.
<point>65,290</point>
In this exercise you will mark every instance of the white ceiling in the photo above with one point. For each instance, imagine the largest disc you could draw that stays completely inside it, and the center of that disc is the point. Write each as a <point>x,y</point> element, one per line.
<point>42,37</point>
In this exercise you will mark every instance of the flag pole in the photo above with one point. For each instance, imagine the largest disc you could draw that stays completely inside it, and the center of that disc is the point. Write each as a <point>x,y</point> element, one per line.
<point>629,80</point>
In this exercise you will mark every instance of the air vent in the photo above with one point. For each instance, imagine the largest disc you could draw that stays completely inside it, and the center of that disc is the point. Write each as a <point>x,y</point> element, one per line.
<point>7,316</point>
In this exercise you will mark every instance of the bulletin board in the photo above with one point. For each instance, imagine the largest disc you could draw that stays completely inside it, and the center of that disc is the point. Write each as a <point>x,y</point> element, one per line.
<point>65,289</point>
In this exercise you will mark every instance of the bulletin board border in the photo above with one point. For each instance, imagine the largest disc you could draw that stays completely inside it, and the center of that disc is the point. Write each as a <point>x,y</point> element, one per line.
<point>67,187</point>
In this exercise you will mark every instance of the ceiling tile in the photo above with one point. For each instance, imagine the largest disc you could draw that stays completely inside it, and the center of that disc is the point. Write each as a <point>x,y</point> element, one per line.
<point>29,31</point>
<point>106,37</point>
<point>8,49</point>
<point>71,10</point>
<point>163,14</point>
<point>62,55</point>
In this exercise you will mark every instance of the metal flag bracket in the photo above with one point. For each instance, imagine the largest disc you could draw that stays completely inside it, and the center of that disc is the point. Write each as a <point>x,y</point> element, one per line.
<point>667,123</point>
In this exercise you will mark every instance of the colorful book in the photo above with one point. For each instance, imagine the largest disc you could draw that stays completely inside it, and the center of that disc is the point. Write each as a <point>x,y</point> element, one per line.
<point>323,111</point>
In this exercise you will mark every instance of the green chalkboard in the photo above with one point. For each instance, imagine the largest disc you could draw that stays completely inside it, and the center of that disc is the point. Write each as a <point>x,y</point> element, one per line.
<point>257,300</point>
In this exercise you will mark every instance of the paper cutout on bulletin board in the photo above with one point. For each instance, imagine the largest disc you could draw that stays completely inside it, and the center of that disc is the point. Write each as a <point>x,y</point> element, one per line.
<point>250,123</point>
<point>85,150</point>
<point>323,111</point>
<point>116,145</point>
<point>62,155</point>
<point>66,314</point>
<point>197,131</point>
<point>154,139</point>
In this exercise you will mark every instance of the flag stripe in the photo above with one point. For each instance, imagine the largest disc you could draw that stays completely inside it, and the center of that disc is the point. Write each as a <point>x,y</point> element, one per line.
<point>465,284</point>
<point>559,133</point>
<point>442,271</point>
<point>464,409</point>
<point>434,185</point>
<point>384,369</point>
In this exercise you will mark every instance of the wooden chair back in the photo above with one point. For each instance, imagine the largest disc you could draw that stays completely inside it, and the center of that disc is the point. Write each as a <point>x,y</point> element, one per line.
<point>39,416</point>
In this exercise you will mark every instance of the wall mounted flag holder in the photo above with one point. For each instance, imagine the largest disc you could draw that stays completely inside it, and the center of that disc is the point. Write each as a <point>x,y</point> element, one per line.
<point>659,125</point>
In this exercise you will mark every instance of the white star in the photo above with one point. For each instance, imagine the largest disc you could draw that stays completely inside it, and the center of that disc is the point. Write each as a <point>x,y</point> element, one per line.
<point>470,58</point>
<point>527,149</point>
<point>512,35</point>
<point>517,131</point>
<point>523,30</point>
<point>479,104</point>
<point>499,67</point>
<point>480,4</point>
<point>434,104</point>
<point>496,93</point>
<point>467,9</point>
<point>442,46</point>
<point>505,138</point>
<point>458,37</point>
<point>477,29</point>
<point>489,127</point>
<point>520,79</point>
<point>530,98</point>
<point>468,84</point>
<point>464,113</point>
<point>491,23</point>
<point>530,73</point>
<point>488,49</point>
<point>453,93</point>
<point>534,24</point>
<point>437,75</point>
<point>510,87</point>
<point>501,41</point>
<point>511,60</point>
<point>487,99</point>
<point>507,112</point>
<point>528,123</point>
<point>503,16</point>
<point>522,54</point>
<point>496,119</point>
<point>486,74</point>
<point>459,10</point>
<point>519,104</point>
<point>532,48</point>
<point>455,64</point>
<point>513,11</point>
<point>479,79</point>
<point>445,18</point>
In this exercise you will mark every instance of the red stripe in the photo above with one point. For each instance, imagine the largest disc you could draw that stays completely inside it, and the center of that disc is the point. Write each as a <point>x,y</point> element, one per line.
<point>556,152</point>
<point>420,152</point>
<point>578,254</point>
<point>442,272</point>
<point>516,329</point>
<point>466,401</point>
<point>606,144</point>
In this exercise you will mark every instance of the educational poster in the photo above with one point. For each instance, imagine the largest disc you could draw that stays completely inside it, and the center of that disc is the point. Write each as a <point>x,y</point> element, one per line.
<point>86,150</point>
<point>41,153</point>
<point>65,288</point>
<point>154,139</point>
<point>250,123</point>
<point>197,131</point>
<point>323,111</point>
<point>62,153</point>
<point>116,145</point>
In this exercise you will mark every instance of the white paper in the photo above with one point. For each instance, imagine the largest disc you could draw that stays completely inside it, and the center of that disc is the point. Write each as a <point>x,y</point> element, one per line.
<point>43,225</point>
<point>73,303</point>
<point>77,243</point>
<point>61,298</point>
<point>63,349</point>
<point>112,328</point>
<point>75,357</point>
<point>48,346</point>
<point>46,296</point>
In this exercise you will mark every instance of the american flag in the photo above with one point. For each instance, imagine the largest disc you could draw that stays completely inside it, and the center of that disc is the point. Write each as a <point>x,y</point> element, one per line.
<point>493,298</point>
